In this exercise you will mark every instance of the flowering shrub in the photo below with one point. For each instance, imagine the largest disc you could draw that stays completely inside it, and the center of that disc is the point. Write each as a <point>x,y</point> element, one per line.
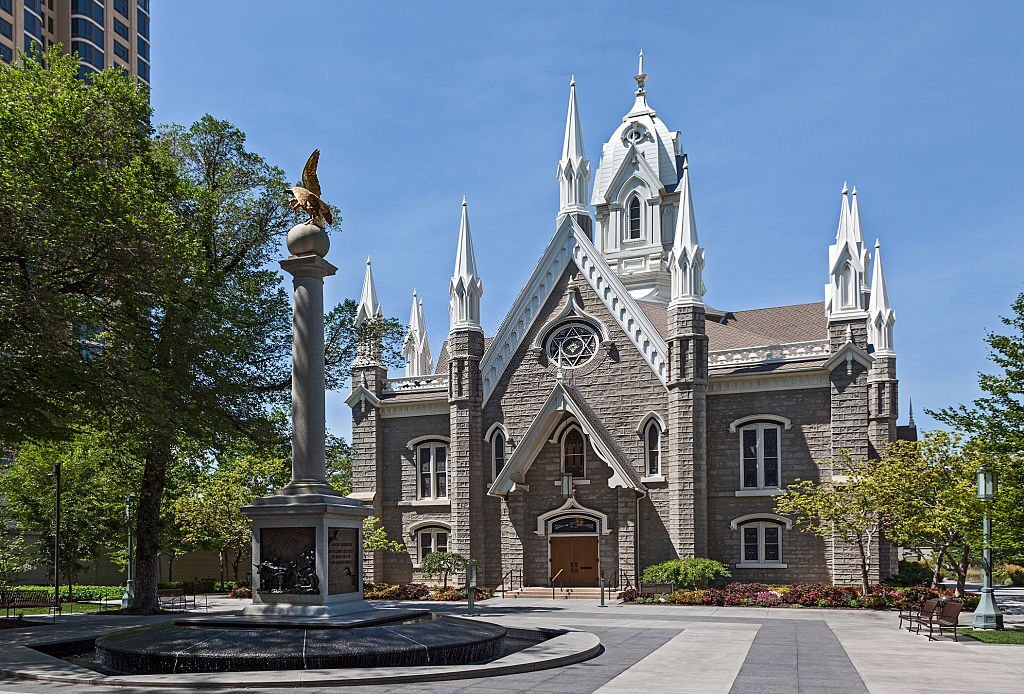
<point>240,592</point>
<point>881,597</point>
<point>419,591</point>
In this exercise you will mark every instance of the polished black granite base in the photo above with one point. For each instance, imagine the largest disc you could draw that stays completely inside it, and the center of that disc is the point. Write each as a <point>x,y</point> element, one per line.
<point>227,645</point>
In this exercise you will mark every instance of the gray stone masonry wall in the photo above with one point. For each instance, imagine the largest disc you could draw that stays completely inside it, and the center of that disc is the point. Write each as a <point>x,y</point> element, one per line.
<point>619,385</point>
<point>366,468</point>
<point>686,461</point>
<point>883,411</point>
<point>400,508</point>
<point>849,433</point>
<point>466,465</point>
<point>805,447</point>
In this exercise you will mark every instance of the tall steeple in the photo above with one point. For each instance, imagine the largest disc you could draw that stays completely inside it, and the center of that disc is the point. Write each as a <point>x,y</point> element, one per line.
<point>416,349</point>
<point>686,259</point>
<point>848,260</point>
<point>369,306</point>
<point>573,168</point>
<point>881,316</point>
<point>466,286</point>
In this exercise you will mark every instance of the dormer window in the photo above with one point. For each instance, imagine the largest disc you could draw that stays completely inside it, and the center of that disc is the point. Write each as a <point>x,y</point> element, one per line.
<point>633,226</point>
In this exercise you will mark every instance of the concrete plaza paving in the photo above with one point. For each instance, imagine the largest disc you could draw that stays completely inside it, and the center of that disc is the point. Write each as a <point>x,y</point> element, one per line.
<point>697,649</point>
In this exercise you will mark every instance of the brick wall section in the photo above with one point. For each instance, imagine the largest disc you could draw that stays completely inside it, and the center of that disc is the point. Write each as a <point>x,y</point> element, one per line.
<point>466,464</point>
<point>805,448</point>
<point>687,426</point>
<point>620,387</point>
<point>366,468</point>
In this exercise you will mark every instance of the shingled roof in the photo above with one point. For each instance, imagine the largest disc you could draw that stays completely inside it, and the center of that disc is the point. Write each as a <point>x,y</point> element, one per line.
<point>777,325</point>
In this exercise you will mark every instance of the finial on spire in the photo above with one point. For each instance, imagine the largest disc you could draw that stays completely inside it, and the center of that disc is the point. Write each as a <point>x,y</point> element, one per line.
<point>572,81</point>
<point>641,76</point>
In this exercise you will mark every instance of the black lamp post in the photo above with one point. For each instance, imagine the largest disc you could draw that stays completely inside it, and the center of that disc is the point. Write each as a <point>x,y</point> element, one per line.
<point>129,588</point>
<point>56,541</point>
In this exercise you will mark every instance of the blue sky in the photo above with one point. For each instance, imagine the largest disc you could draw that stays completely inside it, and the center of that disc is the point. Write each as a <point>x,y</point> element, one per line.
<point>919,105</point>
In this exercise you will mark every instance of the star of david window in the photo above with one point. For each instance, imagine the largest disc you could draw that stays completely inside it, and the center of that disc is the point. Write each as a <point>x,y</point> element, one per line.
<point>572,345</point>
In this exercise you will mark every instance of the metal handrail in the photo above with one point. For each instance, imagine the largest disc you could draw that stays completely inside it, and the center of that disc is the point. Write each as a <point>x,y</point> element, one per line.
<point>561,582</point>
<point>510,576</point>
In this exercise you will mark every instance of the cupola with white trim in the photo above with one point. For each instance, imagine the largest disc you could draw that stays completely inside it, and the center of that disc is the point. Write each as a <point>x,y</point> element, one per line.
<point>636,193</point>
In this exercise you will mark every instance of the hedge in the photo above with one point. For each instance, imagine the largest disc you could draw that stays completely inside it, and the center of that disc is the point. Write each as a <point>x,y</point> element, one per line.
<point>81,593</point>
<point>880,597</point>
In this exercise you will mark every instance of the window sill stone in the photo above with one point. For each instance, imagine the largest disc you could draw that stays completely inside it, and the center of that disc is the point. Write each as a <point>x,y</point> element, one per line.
<point>653,479</point>
<point>426,502</point>
<point>757,565</point>
<point>771,491</point>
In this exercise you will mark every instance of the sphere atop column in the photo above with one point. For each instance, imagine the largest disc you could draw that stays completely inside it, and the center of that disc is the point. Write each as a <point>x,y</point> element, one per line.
<point>308,239</point>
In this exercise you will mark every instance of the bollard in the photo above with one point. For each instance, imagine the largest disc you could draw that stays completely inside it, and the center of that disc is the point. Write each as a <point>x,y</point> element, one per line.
<point>602,591</point>
<point>470,587</point>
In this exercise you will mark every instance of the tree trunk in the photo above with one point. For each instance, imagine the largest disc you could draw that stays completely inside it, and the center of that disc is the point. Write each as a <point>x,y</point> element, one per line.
<point>223,563</point>
<point>865,560</point>
<point>235,564</point>
<point>937,573</point>
<point>961,570</point>
<point>170,567</point>
<point>147,526</point>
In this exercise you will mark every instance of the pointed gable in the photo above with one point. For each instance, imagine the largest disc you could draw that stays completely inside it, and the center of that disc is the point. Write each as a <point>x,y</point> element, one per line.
<point>566,399</point>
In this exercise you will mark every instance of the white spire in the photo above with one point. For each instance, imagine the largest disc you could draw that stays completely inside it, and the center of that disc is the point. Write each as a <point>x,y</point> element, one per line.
<point>466,287</point>
<point>573,168</point>
<point>881,317</point>
<point>369,307</point>
<point>856,233</point>
<point>686,260</point>
<point>416,349</point>
<point>848,265</point>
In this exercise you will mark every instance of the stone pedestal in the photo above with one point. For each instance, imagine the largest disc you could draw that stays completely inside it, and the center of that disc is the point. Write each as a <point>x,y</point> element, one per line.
<point>307,538</point>
<point>296,535</point>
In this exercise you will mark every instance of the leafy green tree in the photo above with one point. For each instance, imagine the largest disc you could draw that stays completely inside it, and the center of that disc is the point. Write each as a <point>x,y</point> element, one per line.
<point>850,509</point>
<point>996,420</point>
<point>84,214</point>
<point>96,476</point>
<point>15,554</point>
<point>210,515</point>
<point>929,492</point>
<point>376,538</point>
<point>441,564</point>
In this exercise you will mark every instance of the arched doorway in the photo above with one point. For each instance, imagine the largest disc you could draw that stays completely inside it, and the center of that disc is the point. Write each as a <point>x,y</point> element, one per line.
<point>573,550</point>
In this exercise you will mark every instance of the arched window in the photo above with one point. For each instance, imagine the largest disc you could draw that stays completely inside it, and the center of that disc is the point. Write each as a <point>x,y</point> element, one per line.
<point>633,228</point>
<point>849,288</point>
<point>652,447</point>
<point>431,539</point>
<point>574,453</point>
<point>570,186</point>
<point>760,462</point>
<point>497,453</point>
<point>761,544</point>
<point>432,469</point>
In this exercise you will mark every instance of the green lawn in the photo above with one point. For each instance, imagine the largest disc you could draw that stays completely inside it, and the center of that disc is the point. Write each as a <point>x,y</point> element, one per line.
<point>995,635</point>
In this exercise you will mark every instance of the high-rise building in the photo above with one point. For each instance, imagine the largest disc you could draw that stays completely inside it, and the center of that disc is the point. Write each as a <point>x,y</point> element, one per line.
<point>104,33</point>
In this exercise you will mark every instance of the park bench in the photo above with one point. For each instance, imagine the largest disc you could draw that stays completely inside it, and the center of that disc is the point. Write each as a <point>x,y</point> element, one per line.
<point>911,614</point>
<point>14,599</point>
<point>947,617</point>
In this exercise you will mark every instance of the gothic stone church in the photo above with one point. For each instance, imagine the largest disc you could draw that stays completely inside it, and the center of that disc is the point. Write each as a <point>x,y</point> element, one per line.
<point>615,420</point>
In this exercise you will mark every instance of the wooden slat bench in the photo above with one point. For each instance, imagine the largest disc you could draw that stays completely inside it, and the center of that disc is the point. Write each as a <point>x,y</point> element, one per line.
<point>14,599</point>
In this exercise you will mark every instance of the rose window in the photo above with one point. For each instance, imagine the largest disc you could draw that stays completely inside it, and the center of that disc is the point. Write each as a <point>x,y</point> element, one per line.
<point>572,345</point>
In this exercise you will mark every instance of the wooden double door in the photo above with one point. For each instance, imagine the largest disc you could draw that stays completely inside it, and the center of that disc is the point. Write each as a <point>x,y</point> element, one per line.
<point>577,559</point>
